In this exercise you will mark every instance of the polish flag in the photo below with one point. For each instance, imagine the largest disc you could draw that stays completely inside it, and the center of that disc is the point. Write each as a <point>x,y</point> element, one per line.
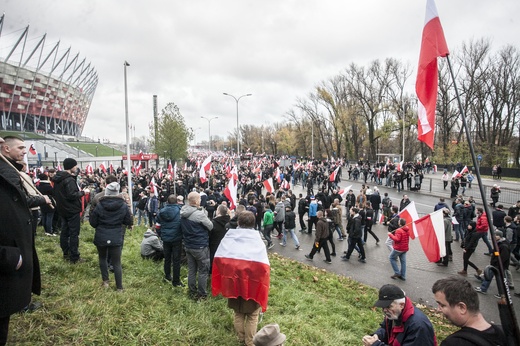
<point>206,165</point>
<point>241,267</point>
<point>430,230</point>
<point>231,193</point>
<point>102,167</point>
<point>277,175</point>
<point>153,186</point>
<point>400,166</point>
<point>464,170</point>
<point>455,175</point>
<point>269,186</point>
<point>185,166</point>
<point>433,45</point>
<point>89,169</point>
<point>111,168</point>
<point>170,168</point>
<point>160,174</point>
<point>234,173</point>
<point>285,185</point>
<point>141,155</point>
<point>382,218</point>
<point>333,175</point>
<point>343,192</point>
<point>32,149</point>
<point>410,215</point>
<point>137,168</point>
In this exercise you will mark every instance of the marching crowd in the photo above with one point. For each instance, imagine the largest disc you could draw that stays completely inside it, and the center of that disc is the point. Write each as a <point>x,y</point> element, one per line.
<point>188,217</point>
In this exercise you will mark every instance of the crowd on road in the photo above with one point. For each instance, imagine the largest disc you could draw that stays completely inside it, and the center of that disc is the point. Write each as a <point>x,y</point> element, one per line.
<point>188,213</point>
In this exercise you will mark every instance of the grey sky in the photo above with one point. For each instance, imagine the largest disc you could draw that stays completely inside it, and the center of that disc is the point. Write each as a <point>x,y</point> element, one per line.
<point>190,52</point>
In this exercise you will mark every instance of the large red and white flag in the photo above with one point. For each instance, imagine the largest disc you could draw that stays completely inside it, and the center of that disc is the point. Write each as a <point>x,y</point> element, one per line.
<point>455,174</point>
<point>89,169</point>
<point>464,170</point>
<point>268,184</point>
<point>343,192</point>
<point>170,168</point>
<point>278,175</point>
<point>153,186</point>
<point>241,267</point>
<point>102,167</point>
<point>231,193</point>
<point>433,45</point>
<point>206,165</point>
<point>333,175</point>
<point>430,231</point>
<point>410,215</point>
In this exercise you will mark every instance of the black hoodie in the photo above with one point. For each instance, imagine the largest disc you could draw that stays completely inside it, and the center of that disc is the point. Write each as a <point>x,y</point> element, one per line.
<point>67,194</point>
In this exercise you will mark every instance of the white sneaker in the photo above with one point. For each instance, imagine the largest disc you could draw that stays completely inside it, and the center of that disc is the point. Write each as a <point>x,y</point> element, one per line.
<point>48,234</point>
<point>282,244</point>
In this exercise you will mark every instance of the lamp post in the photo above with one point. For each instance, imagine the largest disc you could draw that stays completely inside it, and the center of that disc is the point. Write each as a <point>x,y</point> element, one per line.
<point>78,149</point>
<point>96,151</point>
<point>238,128</point>
<point>56,158</point>
<point>128,161</point>
<point>209,130</point>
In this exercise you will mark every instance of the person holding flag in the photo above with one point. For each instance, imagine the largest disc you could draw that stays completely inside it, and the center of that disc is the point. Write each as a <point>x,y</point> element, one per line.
<point>401,239</point>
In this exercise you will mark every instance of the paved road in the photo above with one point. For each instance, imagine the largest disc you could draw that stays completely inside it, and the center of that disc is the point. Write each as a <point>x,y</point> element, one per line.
<point>421,274</point>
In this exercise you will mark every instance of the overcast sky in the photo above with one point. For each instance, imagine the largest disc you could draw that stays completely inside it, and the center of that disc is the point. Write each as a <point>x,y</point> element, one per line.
<point>190,52</point>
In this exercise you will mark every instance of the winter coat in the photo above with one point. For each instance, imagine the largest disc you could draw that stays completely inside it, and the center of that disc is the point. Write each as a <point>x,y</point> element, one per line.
<point>279,212</point>
<point>109,218</point>
<point>355,227</point>
<point>46,188</point>
<point>482,224</point>
<point>219,231</point>
<point>16,239</point>
<point>169,218</point>
<point>290,220</point>
<point>448,228</point>
<point>150,244</point>
<point>505,254</point>
<point>401,238</point>
<point>302,206</point>
<point>414,329</point>
<point>322,229</point>
<point>268,217</point>
<point>313,208</point>
<point>195,227</point>
<point>67,194</point>
<point>471,240</point>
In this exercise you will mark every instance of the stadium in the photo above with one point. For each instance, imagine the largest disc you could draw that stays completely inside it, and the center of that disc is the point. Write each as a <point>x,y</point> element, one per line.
<point>44,89</point>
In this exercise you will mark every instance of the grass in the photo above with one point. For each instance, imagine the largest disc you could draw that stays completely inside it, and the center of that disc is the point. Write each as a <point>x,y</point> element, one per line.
<point>102,150</point>
<point>312,306</point>
<point>24,135</point>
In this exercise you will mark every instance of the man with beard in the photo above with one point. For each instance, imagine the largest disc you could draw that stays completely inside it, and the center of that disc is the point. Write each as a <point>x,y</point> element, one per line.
<point>404,324</point>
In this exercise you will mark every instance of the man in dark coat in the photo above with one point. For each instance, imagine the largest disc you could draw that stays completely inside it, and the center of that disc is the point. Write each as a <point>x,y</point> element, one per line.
<point>219,231</point>
<point>19,266</point>
<point>68,202</point>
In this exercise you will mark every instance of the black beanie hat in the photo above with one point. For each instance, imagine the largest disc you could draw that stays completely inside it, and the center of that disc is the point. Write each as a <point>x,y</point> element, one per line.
<point>69,163</point>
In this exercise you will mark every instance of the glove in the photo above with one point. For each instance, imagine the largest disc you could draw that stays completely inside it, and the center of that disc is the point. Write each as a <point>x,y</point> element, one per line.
<point>317,244</point>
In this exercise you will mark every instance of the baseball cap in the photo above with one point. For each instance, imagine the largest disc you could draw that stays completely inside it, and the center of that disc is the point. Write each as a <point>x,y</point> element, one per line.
<point>387,294</point>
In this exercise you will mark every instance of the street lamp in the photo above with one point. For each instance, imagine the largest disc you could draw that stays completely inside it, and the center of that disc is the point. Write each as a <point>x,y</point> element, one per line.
<point>96,151</point>
<point>209,130</point>
<point>78,149</point>
<point>56,158</point>
<point>238,129</point>
<point>128,160</point>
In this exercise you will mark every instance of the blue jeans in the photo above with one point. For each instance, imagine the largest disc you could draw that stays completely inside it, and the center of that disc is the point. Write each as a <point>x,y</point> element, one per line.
<point>198,262</point>
<point>393,261</point>
<point>47,221</point>
<point>459,233</point>
<point>293,236</point>
<point>141,214</point>
<point>172,255</point>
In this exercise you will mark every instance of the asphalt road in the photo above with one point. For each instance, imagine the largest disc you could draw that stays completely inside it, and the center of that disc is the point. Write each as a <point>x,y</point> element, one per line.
<point>421,274</point>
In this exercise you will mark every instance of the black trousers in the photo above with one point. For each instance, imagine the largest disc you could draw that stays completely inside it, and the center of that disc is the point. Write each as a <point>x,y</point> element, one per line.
<point>302,222</point>
<point>321,245</point>
<point>352,245</point>
<point>69,237</point>
<point>4,329</point>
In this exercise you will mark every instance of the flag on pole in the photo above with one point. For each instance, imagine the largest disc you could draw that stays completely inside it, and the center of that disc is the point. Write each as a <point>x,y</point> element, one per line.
<point>464,170</point>
<point>32,149</point>
<point>333,175</point>
<point>102,167</point>
<point>231,193</point>
<point>206,165</point>
<point>430,231</point>
<point>111,168</point>
<point>455,175</point>
<point>241,267</point>
<point>433,45</point>
<point>410,215</point>
<point>278,175</point>
<point>343,192</point>
<point>89,169</point>
<point>268,184</point>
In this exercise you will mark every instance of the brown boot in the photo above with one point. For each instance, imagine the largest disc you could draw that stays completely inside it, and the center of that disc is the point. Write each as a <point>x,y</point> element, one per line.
<point>479,272</point>
<point>463,272</point>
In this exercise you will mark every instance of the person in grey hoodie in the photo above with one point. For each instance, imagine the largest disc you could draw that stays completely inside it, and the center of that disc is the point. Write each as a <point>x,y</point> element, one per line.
<point>195,227</point>
<point>279,217</point>
<point>151,246</point>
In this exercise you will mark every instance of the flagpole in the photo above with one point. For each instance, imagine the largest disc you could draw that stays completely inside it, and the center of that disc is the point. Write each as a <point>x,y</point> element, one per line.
<point>505,293</point>
<point>128,159</point>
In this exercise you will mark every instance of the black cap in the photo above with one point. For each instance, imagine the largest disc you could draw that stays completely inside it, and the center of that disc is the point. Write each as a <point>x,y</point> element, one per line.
<point>387,294</point>
<point>69,163</point>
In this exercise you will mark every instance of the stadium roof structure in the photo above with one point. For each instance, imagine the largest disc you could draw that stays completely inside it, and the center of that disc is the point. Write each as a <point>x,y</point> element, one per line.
<point>43,89</point>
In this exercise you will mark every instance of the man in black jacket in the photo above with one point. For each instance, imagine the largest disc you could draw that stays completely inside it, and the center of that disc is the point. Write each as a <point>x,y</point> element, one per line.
<point>355,236</point>
<point>68,202</point>
<point>19,266</point>
<point>302,209</point>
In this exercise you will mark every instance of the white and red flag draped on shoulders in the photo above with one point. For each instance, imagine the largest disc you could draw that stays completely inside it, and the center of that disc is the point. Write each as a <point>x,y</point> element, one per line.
<point>102,167</point>
<point>433,45</point>
<point>285,185</point>
<point>206,166</point>
<point>32,149</point>
<point>333,175</point>
<point>231,193</point>
<point>430,231</point>
<point>409,213</point>
<point>241,267</point>
<point>268,184</point>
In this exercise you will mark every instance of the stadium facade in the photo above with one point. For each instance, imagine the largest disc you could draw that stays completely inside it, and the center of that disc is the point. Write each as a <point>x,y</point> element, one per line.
<point>43,89</point>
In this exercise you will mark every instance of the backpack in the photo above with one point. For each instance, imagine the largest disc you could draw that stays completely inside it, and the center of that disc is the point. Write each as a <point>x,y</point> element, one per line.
<point>387,202</point>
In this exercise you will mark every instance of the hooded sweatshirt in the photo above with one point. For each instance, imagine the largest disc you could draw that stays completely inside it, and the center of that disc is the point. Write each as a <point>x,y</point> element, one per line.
<point>195,227</point>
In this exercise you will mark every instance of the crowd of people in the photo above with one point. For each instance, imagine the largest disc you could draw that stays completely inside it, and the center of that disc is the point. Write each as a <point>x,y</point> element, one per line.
<point>187,218</point>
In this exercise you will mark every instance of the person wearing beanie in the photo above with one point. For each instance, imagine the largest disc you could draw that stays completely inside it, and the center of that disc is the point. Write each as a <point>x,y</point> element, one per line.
<point>404,323</point>
<point>69,205</point>
<point>269,335</point>
<point>504,254</point>
<point>109,218</point>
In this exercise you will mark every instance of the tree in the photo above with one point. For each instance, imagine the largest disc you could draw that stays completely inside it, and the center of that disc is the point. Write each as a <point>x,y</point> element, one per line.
<point>172,134</point>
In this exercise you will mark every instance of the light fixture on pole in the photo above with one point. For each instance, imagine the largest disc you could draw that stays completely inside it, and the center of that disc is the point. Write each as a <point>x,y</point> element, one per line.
<point>209,130</point>
<point>128,161</point>
<point>238,128</point>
